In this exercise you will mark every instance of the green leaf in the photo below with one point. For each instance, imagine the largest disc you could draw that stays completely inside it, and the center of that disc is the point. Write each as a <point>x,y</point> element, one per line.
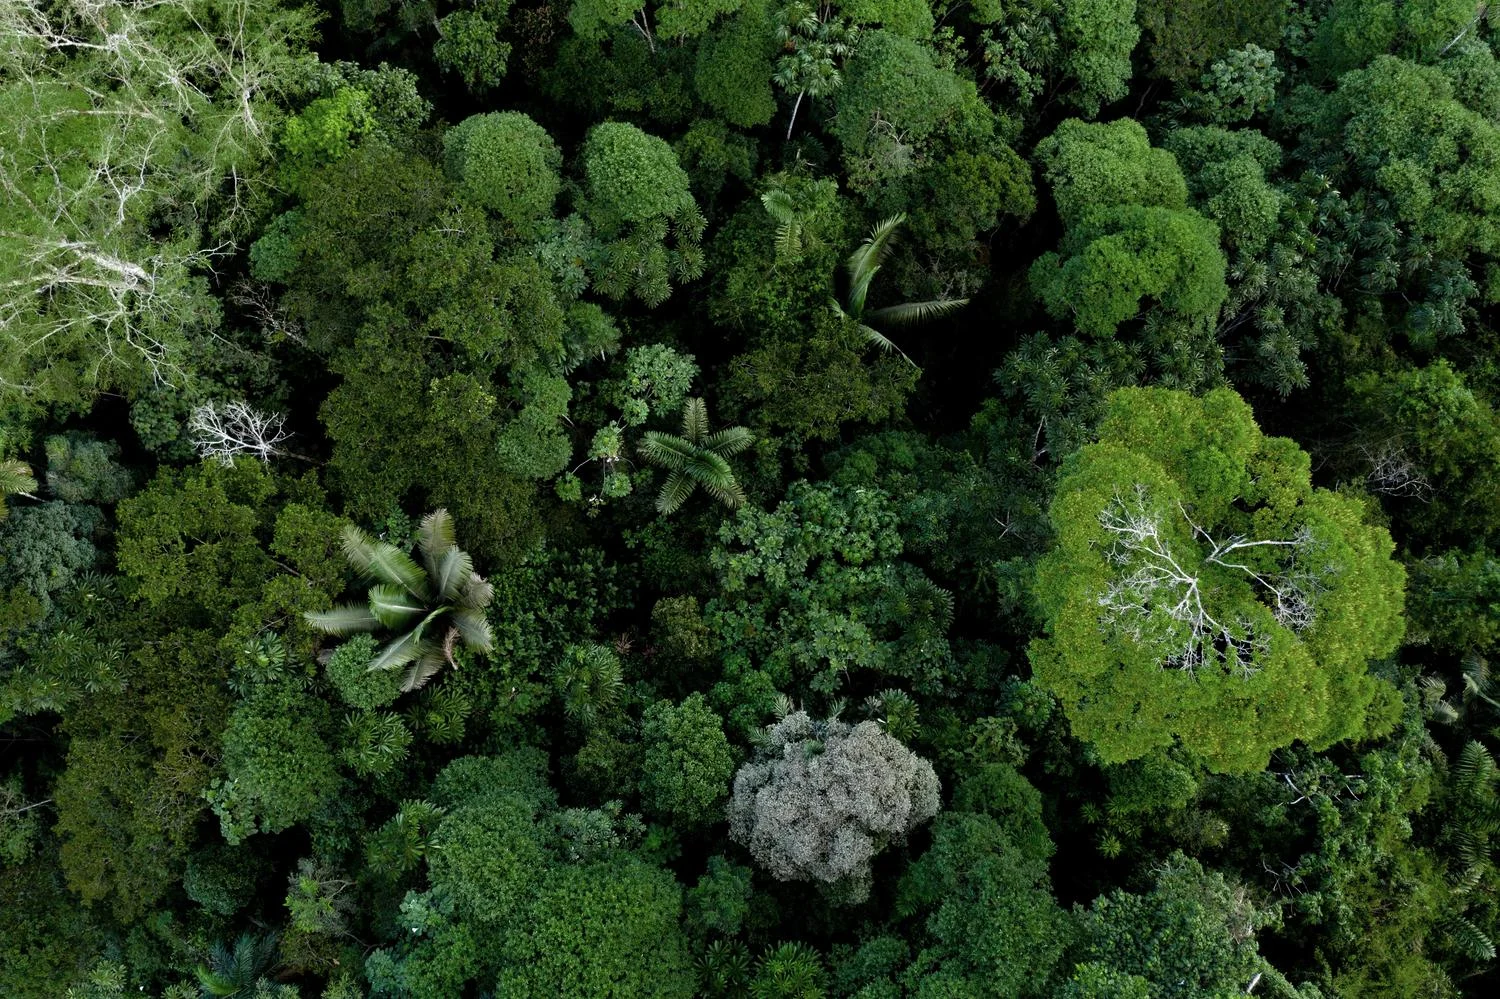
<point>865,262</point>
<point>728,442</point>
<point>345,620</point>
<point>915,313</point>
<point>421,669</point>
<point>884,342</point>
<point>694,421</point>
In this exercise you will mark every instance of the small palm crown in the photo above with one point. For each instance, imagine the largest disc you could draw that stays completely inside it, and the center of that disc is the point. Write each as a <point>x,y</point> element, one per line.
<point>439,603</point>
<point>863,264</point>
<point>697,458</point>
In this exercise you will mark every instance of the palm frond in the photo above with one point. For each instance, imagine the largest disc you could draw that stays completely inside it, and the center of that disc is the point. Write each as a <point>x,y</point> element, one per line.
<point>728,442</point>
<point>451,573</point>
<point>477,594</point>
<point>344,620</point>
<point>866,260</point>
<point>882,341</point>
<point>666,450</point>
<point>717,479</point>
<point>694,421</point>
<point>16,477</point>
<point>422,669</point>
<point>779,206</point>
<point>435,538</point>
<point>675,492</point>
<point>403,650</point>
<point>394,606</point>
<point>380,561</point>
<point>473,628</point>
<point>915,313</point>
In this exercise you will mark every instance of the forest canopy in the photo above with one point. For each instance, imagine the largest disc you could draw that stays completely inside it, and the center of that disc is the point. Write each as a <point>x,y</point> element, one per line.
<point>866,499</point>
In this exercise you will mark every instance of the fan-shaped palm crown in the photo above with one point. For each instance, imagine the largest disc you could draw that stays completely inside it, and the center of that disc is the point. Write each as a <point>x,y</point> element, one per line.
<point>863,264</point>
<point>439,602</point>
<point>697,458</point>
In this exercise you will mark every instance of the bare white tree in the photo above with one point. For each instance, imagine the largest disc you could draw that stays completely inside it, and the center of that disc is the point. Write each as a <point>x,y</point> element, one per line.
<point>115,114</point>
<point>1158,598</point>
<point>823,798</point>
<point>1394,473</point>
<point>223,431</point>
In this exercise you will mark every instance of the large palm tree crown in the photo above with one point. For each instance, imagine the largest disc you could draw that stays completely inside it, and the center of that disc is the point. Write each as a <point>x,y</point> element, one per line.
<point>696,458</point>
<point>437,603</point>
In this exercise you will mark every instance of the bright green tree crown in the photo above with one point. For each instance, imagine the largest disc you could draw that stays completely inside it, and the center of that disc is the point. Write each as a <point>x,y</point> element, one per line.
<point>1202,591</point>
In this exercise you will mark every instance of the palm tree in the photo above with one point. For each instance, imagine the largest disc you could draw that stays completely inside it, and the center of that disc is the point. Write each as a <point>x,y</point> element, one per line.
<point>697,458</point>
<point>15,477</point>
<point>446,599</point>
<point>863,264</point>
<point>237,972</point>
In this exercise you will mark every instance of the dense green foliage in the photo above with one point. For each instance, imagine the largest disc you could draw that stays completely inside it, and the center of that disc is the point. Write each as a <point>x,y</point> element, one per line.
<point>870,499</point>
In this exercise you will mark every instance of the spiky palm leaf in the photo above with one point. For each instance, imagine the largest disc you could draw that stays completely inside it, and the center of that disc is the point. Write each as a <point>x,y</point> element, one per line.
<point>394,606</point>
<point>436,538</point>
<point>235,972</point>
<point>675,491</point>
<point>696,459</point>
<point>865,262</point>
<point>477,593</point>
<point>915,313</point>
<point>1468,939</point>
<point>382,562</point>
<point>716,477</point>
<point>694,422</point>
<point>728,442</point>
<point>451,574</point>
<point>670,452</point>
<point>473,628</point>
<point>422,669</point>
<point>15,477</point>
<point>400,651</point>
<point>348,619</point>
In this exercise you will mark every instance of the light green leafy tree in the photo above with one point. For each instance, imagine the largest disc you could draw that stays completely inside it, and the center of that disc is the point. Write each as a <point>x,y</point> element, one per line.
<point>1202,591</point>
<point>441,601</point>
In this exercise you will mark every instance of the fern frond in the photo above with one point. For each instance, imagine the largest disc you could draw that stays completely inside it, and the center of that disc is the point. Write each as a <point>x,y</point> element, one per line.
<point>403,650</point>
<point>1467,939</point>
<point>421,669</point>
<point>477,594</point>
<point>694,421</point>
<point>884,342</point>
<point>865,262</point>
<point>474,629</point>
